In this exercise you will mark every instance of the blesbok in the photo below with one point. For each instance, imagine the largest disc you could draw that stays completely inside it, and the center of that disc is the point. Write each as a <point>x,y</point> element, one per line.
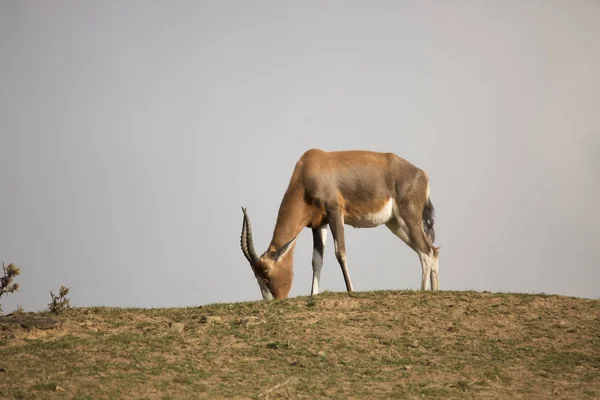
<point>363,189</point>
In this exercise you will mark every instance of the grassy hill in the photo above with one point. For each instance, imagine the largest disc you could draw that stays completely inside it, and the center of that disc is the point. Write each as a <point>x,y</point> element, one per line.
<point>391,344</point>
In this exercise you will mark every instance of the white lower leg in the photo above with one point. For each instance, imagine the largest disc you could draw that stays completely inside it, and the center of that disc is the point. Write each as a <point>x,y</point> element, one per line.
<point>317,261</point>
<point>316,277</point>
<point>425,276</point>
<point>426,268</point>
<point>435,274</point>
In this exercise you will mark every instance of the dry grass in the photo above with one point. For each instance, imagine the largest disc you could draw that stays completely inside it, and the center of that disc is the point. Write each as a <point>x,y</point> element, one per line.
<point>364,345</point>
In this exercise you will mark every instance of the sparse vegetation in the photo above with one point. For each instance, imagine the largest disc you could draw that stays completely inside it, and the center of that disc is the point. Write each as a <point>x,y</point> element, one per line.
<point>60,303</point>
<point>7,283</point>
<point>398,344</point>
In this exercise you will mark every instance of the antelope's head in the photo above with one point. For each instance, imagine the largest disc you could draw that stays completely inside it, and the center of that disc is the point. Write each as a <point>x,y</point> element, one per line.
<point>273,269</point>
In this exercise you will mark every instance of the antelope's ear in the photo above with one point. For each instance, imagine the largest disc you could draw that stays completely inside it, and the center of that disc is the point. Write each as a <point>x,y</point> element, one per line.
<point>283,250</point>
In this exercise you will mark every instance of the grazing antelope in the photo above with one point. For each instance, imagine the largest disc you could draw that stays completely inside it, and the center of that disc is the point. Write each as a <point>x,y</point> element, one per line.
<point>363,189</point>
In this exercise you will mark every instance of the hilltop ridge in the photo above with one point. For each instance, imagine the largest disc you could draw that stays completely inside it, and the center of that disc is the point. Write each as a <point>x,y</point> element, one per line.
<point>383,344</point>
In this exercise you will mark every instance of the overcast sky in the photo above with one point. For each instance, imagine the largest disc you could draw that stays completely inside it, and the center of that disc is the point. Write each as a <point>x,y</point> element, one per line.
<point>131,133</point>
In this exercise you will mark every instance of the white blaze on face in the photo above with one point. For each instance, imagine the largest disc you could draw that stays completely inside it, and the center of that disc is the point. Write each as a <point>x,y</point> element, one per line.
<point>266,293</point>
<point>371,220</point>
<point>264,290</point>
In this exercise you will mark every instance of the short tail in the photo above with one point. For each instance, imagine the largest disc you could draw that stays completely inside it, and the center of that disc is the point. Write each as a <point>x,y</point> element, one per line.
<point>428,215</point>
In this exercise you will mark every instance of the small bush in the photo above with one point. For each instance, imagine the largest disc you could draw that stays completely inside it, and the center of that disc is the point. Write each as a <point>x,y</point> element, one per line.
<point>59,303</point>
<point>7,284</point>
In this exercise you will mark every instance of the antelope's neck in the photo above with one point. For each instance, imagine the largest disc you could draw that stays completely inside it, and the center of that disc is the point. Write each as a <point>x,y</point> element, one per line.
<point>292,218</point>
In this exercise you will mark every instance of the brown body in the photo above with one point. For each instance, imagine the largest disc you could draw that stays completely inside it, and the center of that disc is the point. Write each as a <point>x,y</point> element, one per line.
<point>331,189</point>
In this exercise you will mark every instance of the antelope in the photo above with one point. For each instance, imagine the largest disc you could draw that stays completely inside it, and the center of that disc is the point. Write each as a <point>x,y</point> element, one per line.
<point>363,189</point>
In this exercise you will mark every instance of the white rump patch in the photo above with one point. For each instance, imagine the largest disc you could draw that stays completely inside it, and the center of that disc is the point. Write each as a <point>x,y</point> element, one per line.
<point>371,220</point>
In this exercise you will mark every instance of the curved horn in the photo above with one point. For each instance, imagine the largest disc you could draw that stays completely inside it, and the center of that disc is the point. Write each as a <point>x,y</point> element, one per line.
<point>246,240</point>
<point>243,239</point>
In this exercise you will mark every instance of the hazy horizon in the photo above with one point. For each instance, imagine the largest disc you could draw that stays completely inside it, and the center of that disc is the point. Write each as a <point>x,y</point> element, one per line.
<point>131,134</point>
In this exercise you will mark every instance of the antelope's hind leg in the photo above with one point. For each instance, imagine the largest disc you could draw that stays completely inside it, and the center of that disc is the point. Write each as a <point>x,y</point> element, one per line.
<point>431,260</point>
<point>410,230</point>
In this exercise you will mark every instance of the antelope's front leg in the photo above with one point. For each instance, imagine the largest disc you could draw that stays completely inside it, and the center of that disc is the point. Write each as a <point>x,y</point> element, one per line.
<point>319,239</point>
<point>336,223</point>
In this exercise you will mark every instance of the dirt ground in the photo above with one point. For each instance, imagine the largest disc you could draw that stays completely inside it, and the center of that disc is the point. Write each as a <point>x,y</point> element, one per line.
<point>389,344</point>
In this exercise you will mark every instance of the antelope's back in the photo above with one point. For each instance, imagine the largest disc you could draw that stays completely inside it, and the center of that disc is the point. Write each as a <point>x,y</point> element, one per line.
<point>355,176</point>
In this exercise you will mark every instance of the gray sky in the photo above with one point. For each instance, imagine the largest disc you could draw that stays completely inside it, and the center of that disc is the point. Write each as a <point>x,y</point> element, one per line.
<point>132,132</point>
